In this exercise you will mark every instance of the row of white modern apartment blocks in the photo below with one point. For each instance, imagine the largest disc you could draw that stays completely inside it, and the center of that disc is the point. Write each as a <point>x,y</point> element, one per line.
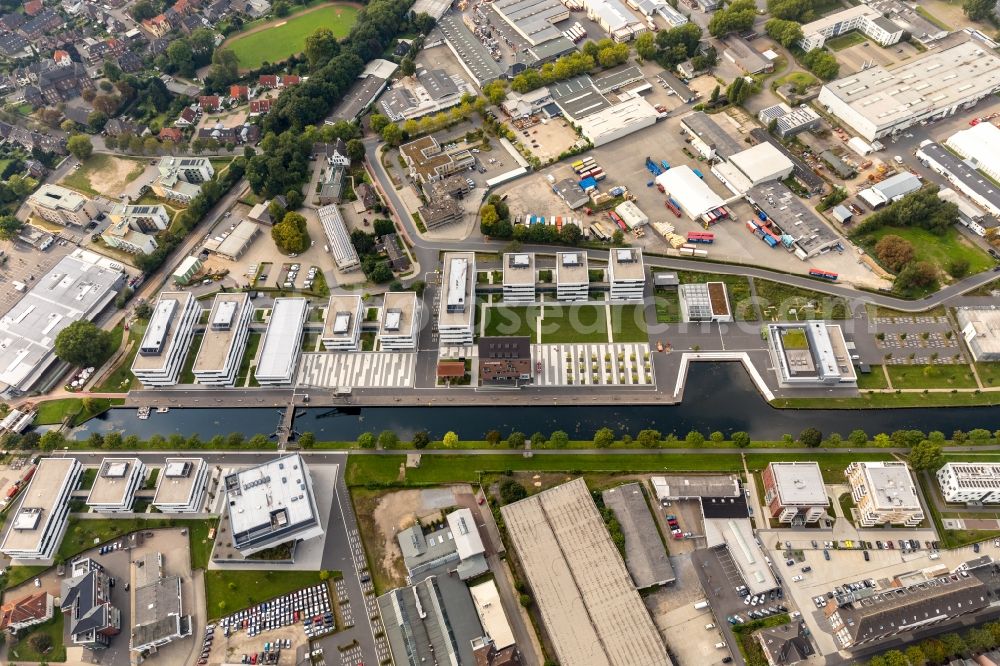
<point>625,276</point>
<point>41,517</point>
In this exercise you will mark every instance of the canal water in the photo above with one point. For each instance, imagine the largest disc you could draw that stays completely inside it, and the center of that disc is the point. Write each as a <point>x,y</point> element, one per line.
<point>717,396</point>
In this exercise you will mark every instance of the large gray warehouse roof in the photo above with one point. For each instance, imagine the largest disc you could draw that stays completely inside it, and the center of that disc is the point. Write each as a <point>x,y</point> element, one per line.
<point>961,171</point>
<point>645,556</point>
<point>590,608</point>
<point>709,131</point>
<point>470,50</point>
<point>577,97</point>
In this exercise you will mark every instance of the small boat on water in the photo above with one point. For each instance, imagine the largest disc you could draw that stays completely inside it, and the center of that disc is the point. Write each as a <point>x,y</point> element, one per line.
<point>162,410</point>
<point>143,413</point>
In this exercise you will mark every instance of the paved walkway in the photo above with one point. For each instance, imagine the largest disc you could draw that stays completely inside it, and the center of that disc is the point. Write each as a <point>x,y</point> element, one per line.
<point>358,369</point>
<point>599,364</point>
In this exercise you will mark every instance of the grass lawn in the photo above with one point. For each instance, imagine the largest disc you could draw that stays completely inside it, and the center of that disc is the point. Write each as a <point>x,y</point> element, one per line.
<point>253,341</point>
<point>505,320</point>
<point>873,380</point>
<point>17,575</point>
<point>801,79</point>
<point>846,504</point>
<point>187,371</point>
<point>22,650</point>
<point>933,19</point>
<point>81,534</point>
<point>737,288</point>
<point>628,323</point>
<point>892,401</point>
<point>989,373</point>
<point>121,378</point>
<point>668,307</point>
<point>931,376</point>
<point>154,474</point>
<point>577,323</point>
<point>938,250</point>
<point>777,300</point>
<point>228,591</point>
<point>87,478</point>
<point>284,37</point>
<point>852,38</point>
<point>101,163</point>
<point>52,412</point>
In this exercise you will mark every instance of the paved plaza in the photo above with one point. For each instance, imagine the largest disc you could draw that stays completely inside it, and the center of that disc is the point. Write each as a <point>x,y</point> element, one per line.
<point>358,369</point>
<point>622,364</point>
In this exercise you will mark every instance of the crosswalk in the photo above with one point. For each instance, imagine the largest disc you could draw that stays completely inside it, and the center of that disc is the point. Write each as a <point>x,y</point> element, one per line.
<point>358,369</point>
<point>604,364</point>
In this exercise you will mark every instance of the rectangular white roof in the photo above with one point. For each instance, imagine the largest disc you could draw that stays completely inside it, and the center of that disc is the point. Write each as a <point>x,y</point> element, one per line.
<point>891,485</point>
<point>799,483</point>
<point>280,347</point>
<point>230,314</point>
<point>463,528</point>
<point>980,144</point>
<point>37,505</point>
<point>690,191</point>
<point>257,492</point>
<point>177,480</point>
<point>486,597</point>
<point>761,162</point>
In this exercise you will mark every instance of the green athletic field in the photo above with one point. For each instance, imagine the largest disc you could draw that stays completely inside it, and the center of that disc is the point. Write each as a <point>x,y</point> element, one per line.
<point>278,39</point>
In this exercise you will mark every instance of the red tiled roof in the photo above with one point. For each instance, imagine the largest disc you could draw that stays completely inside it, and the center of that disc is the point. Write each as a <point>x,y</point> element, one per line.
<point>33,607</point>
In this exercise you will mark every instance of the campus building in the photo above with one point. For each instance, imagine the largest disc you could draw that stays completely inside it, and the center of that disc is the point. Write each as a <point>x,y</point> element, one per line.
<point>282,343</point>
<point>60,205</point>
<point>40,520</point>
<point>168,335</point>
<point>572,277</point>
<point>182,485</point>
<point>706,301</point>
<point>180,178</point>
<point>338,238</point>
<point>519,277</point>
<point>427,161</point>
<point>115,486</point>
<point>876,102</point>
<point>794,492</point>
<point>78,287</point>
<point>400,322</point>
<point>342,324</point>
<point>970,483</point>
<point>862,18</point>
<point>271,504</point>
<point>86,605</point>
<point>458,303</point>
<point>884,492</point>
<point>223,342</point>
<point>123,237</point>
<point>505,360</point>
<point>812,353</point>
<point>159,617</point>
<point>626,275</point>
<point>981,331</point>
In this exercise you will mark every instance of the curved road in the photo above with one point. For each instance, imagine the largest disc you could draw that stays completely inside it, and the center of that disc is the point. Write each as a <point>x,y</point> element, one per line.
<point>428,249</point>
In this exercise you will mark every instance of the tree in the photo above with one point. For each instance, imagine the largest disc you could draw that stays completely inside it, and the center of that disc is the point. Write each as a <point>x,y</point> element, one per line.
<point>51,440</point>
<point>559,439</point>
<point>378,122</point>
<point>648,439</point>
<point>321,46</point>
<point>822,63</point>
<point>979,10</point>
<point>953,644</point>
<point>915,656</point>
<point>811,437</point>
<point>736,17</point>
<point>450,440</point>
<point>858,437</point>
<point>143,9</point>
<point>791,10</point>
<point>355,150</point>
<point>10,227</point>
<point>493,437</point>
<point>291,235</point>
<point>84,344</point>
<point>927,455</point>
<point>786,33</point>
<point>281,9</point>
<point>407,67</point>
<point>894,252</point>
<point>511,491</point>
<point>741,439</point>
<point>40,642</point>
<point>421,439</point>
<point>366,440</point>
<point>80,147</point>
<point>181,57</point>
<point>604,438</point>
<point>882,440</point>
<point>645,46</point>
<point>739,90</point>
<point>916,275</point>
<point>717,437</point>
<point>694,438</point>
<point>958,268</point>
<point>387,439</point>
<point>570,234</point>
<point>392,134</point>
<point>324,575</point>
<point>496,91</point>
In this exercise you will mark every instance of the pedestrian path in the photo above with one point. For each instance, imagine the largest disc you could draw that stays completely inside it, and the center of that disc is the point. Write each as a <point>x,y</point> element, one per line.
<point>596,364</point>
<point>358,369</point>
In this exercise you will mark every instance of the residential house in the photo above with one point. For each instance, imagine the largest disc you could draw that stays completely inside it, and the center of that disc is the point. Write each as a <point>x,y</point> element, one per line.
<point>61,84</point>
<point>239,93</point>
<point>259,107</point>
<point>267,81</point>
<point>129,62</point>
<point>186,118</point>
<point>61,58</point>
<point>191,22</point>
<point>86,605</point>
<point>13,45</point>
<point>30,140</point>
<point>157,46</point>
<point>367,198</point>
<point>158,26</point>
<point>26,612</point>
<point>210,103</point>
<point>119,126</point>
<point>35,169</point>
<point>239,135</point>
<point>252,8</point>
<point>11,22</point>
<point>33,7</point>
<point>171,134</point>
<point>47,20</point>
<point>335,153</point>
<point>217,10</point>
<point>33,96</point>
<point>78,114</point>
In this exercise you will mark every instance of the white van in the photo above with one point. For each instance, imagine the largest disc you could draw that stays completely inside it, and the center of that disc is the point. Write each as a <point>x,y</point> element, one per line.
<point>710,625</point>
<point>721,646</point>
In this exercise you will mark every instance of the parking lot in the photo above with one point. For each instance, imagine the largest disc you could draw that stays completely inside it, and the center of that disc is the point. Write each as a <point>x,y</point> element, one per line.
<point>853,58</point>
<point>25,264</point>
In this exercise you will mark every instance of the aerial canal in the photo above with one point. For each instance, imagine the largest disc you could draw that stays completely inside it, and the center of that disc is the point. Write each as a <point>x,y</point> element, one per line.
<point>718,396</point>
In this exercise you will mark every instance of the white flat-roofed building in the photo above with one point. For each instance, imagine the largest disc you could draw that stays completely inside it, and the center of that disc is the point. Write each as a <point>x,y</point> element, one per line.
<point>282,343</point>
<point>224,340</point>
<point>165,344</point>
<point>884,492</point>
<point>810,353</point>
<point>40,520</point>
<point>737,535</point>
<point>863,18</point>
<point>626,274</point>
<point>689,191</point>
<point>981,331</point>
<point>519,277</point>
<point>970,482</point>
<point>120,235</point>
<point>342,325</point>
<point>236,242</point>
<point>704,301</point>
<point>572,276</point>
<point>763,163</point>
<point>877,101</point>
<point>182,485</point>
<point>794,492</point>
<point>615,19</point>
<point>486,597</point>
<point>589,605</point>
<point>631,214</point>
<point>117,481</point>
<point>458,302</point>
<point>980,146</point>
<point>399,326</point>
<point>618,120</point>
<point>79,286</point>
<point>271,504</point>
<point>969,214</point>
<point>62,206</point>
<point>338,238</point>
<point>180,178</point>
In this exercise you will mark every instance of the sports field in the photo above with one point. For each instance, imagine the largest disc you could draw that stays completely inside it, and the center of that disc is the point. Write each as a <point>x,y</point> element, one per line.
<point>276,40</point>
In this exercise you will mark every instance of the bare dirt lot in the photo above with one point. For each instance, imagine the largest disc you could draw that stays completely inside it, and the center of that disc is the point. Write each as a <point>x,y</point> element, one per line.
<point>104,174</point>
<point>547,141</point>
